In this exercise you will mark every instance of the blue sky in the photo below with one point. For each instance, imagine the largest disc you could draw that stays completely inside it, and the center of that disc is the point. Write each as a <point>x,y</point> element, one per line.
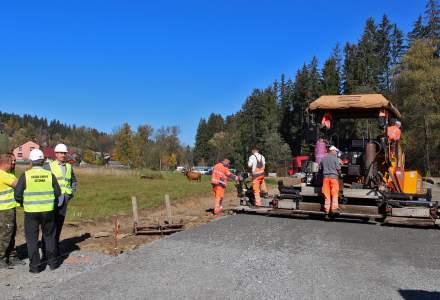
<point>102,63</point>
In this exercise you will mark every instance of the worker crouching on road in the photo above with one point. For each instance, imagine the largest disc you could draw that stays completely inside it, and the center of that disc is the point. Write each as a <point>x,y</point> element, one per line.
<point>37,190</point>
<point>257,163</point>
<point>331,169</point>
<point>66,179</point>
<point>219,179</point>
<point>8,204</point>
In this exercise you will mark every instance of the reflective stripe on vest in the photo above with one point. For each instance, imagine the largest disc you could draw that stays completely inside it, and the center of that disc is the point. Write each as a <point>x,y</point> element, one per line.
<point>39,194</point>
<point>7,200</point>
<point>63,180</point>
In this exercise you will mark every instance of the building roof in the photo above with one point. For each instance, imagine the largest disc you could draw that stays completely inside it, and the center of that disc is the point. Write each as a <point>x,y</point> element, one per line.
<point>30,141</point>
<point>49,152</point>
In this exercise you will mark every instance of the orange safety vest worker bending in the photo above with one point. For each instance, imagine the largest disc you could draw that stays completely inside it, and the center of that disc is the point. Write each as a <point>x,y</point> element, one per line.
<point>219,179</point>
<point>257,163</point>
<point>331,169</point>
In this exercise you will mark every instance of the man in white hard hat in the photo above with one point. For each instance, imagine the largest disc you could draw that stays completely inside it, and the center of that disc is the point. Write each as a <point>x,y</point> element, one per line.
<point>63,171</point>
<point>331,169</point>
<point>38,190</point>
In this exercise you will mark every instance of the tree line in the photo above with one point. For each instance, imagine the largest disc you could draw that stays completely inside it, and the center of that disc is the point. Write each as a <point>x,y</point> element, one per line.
<point>16,129</point>
<point>404,68</point>
<point>145,147</point>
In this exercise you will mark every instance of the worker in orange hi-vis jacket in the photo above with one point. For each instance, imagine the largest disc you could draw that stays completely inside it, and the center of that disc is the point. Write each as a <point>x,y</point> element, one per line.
<point>219,179</point>
<point>394,131</point>
<point>331,169</point>
<point>257,163</point>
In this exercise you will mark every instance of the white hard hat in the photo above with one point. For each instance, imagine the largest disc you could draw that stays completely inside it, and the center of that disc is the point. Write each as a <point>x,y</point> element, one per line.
<point>36,154</point>
<point>61,148</point>
<point>398,123</point>
<point>333,148</point>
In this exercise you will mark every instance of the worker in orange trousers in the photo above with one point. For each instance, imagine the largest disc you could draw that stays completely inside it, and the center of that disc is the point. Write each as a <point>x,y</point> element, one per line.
<point>257,163</point>
<point>219,179</point>
<point>331,169</point>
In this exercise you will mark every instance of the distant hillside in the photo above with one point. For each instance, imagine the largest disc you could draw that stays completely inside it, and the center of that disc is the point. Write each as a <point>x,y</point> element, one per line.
<point>20,129</point>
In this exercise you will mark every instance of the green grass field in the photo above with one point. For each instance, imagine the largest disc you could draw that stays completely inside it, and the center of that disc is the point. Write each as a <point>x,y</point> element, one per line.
<point>103,193</point>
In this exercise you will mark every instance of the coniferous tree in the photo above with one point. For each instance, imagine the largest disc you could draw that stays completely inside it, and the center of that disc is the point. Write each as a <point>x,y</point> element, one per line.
<point>368,61</point>
<point>384,55</point>
<point>201,151</point>
<point>418,31</point>
<point>397,46</point>
<point>432,19</point>
<point>287,125</point>
<point>314,80</point>
<point>350,69</point>
<point>331,74</point>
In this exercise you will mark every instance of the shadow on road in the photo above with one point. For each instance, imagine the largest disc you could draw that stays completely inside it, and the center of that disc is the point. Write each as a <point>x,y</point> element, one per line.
<point>419,295</point>
<point>67,246</point>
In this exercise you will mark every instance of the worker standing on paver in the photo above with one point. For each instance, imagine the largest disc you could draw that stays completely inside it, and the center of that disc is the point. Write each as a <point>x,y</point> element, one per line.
<point>63,171</point>
<point>38,191</point>
<point>257,163</point>
<point>8,224</point>
<point>331,169</point>
<point>219,179</point>
<point>394,131</point>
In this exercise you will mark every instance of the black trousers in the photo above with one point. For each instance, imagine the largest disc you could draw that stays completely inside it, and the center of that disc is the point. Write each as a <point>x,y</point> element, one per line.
<point>59,220</point>
<point>32,224</point>
<point>59,223</point>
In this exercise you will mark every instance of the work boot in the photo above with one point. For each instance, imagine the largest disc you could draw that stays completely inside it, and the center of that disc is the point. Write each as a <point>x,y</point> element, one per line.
<point>4,264</point>
<point>326,217</point>
<point>336,211</point>
<point>15,261</point>
<point>54,266</point>
<point>35,271</point>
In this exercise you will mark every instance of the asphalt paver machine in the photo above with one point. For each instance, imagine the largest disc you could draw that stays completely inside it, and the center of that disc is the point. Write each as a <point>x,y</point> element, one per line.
<point>374,183</point>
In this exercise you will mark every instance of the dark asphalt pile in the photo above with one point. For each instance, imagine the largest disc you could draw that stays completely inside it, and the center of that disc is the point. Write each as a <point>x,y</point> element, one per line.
<point>256,257</point>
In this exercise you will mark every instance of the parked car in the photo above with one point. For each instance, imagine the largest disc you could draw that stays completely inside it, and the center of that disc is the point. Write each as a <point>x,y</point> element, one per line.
<point>202,170</point>
<point>180,169</point>
<point>209,172</point>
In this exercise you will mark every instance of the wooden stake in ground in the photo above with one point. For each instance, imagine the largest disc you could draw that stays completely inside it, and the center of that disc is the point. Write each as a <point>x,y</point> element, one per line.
<point>168,209</point>
<point>135,214</point>
<point>117,227</point>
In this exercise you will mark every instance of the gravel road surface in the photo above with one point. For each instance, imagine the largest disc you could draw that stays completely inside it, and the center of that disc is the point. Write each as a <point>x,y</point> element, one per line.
<point>257,257</point>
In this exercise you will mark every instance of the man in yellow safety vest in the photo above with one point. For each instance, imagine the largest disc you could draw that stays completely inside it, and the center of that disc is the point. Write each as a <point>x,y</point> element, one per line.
<point>8,225</point>
<point>63,171</point>
<point>38,190</point>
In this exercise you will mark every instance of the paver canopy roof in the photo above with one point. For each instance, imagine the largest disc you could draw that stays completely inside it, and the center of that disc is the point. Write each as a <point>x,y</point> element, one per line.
<point>353,106</point>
